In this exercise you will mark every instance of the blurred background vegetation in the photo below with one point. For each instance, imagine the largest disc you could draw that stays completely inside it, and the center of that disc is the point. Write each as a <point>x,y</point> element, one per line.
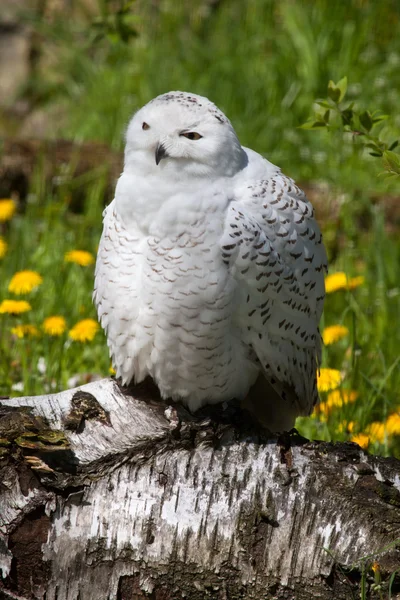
<point>89,64</point>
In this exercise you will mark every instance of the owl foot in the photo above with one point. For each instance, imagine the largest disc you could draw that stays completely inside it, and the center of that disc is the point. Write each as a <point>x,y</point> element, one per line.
<point>171,414</point>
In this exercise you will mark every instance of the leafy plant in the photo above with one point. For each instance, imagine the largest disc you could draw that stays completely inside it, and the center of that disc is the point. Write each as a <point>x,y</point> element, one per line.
<point>115,23</point>
<point>335,114</point>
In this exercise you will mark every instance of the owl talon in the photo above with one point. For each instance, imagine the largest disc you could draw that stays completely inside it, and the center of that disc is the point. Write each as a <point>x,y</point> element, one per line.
<point>171,414</point>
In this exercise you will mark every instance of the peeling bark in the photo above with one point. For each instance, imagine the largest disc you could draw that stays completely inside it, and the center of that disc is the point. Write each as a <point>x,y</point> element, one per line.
<point>103,497</point>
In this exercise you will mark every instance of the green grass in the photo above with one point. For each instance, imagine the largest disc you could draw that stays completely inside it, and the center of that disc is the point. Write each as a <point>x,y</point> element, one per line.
<point>263,62</point>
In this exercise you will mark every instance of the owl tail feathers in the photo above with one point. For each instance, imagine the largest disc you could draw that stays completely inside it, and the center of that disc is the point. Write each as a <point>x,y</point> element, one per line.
<point>273,405</point>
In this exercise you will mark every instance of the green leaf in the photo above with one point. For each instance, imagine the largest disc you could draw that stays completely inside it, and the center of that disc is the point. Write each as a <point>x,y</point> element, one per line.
<point>333,92</point>
<point>347,116</point>
<point>376,154</point>
<point>379,118</point>
<point>366,120</point>
<point>326,116</point>
<point>391,162</point>
<point>323,103</point>
<point>392,577</point>
<point>372,146</point>
<point>312,125</point>
<point>394,145</point>
<point>342,87</point>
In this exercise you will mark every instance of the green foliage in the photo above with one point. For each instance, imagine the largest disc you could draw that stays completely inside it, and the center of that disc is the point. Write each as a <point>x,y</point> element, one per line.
<point>262,61</point>
<point>369,571</point>
<point>338,116</point>
<point>115,24</point>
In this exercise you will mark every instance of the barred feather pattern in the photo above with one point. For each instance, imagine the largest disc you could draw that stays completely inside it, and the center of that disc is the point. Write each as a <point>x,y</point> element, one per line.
<point>274,245</point>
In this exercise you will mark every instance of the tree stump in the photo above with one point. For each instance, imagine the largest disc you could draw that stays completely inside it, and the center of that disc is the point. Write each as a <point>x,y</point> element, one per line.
<point>108,493</point>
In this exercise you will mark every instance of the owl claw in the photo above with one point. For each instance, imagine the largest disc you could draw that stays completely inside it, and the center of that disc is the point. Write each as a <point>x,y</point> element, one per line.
<point>171,414</point>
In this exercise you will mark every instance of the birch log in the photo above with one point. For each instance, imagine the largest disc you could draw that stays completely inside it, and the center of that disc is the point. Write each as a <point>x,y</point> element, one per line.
<point>102,497</point>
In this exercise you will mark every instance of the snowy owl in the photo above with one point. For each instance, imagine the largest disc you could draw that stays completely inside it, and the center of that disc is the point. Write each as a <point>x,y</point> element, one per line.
<point>210,269</point>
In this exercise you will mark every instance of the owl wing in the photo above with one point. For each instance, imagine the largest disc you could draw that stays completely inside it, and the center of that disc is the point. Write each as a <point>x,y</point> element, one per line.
<point>273,246</point>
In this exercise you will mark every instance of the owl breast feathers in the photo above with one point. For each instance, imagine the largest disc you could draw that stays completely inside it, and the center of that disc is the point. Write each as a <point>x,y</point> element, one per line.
<point>210,268</point>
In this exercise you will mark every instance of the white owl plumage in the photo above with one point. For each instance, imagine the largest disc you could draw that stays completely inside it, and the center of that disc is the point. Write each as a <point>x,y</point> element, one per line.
<point>210,269</point>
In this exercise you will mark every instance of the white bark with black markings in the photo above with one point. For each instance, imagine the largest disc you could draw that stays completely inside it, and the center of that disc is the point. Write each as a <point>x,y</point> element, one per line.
<point>137,508</point>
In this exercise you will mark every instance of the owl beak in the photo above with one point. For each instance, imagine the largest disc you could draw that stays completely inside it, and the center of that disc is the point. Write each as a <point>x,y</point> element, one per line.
<point>160,153</point>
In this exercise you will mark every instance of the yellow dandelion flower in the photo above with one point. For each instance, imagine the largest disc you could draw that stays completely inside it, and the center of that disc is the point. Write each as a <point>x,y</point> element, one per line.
<point>84,331</point>
<point>112,371</point>
<point>22,331</point>
<point>80,257</point>
<point>328,379</point>
<point>14,307</point>
<point>55,325</point>
<point>3,247</point>
<point>334,333</point>
<point>340,281</point>
<point>336,399</point>
<point>393,424</point>
<point>345,427</point>
<point>319,412</point>
<point>376,432</point>
<point>340,397</point>
<point>336,281</point>
<point>24,282</point>
<point>376,569</point>
<point>7,209</point>
<point>361,439</point>
<point>355,282</point>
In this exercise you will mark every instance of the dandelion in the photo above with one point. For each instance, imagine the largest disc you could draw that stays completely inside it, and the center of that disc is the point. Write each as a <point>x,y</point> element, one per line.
<point>336,399</point>
<point>24,282</point>
<point>55,325</point>
<point>345,427</point>
<point>340,397</point>
<point>334,333</point>
<point>7,209</point>
<point>340,281</point>
<point>361,439</point>
<point>336,281</point>
<point>393,424</point>
<point>355,282</point>
<point>3,247</point>
<point>376,432</point>
<point>112,371</point>
<point>375,567</point>
<point>14,307</point>
<point>84,331</point>
<point>80,257</point>
<point>328,379</point>
<point>22,331</point>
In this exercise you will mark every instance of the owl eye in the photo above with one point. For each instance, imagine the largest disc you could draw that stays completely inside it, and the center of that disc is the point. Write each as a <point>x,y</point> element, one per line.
<point>145,126</point>
<point>192,135</point>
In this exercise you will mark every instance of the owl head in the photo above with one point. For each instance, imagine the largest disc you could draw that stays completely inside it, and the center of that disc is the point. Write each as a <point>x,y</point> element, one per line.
<point>181,134</point>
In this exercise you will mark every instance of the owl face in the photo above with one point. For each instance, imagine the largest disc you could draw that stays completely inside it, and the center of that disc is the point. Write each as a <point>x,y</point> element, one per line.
<point>183,134</point>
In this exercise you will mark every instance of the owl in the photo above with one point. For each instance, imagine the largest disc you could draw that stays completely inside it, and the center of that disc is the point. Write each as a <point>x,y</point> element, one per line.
<point>210,269</point>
